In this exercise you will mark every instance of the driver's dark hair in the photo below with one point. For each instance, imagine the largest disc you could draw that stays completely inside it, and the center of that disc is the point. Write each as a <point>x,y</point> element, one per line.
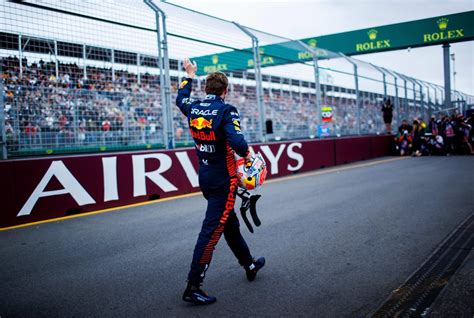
<point>216,83</point>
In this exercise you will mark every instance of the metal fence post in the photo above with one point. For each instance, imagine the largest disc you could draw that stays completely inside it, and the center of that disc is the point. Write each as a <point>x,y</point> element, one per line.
<point>314,54</point>
<point>405,84</point>
<point>429,111</point>
<point>356,80</point>
<point>139,62</point>
<point>435,95</point>
<point>165,81</point>
<point>3,134</point>
<point>84,57</point>
<point>20,53</point>
<point>56,62</point>
<point>258,81</point>
<point>112,59</point>
<point>405,88</point>
<point>397,100</point>
<point>384,79</point>
<point>318,86</point>
<point>447,76</point>
<point>424,111</point>
<point>428,101</point>
<point>74,118</point>
<point>171,141</point>
<point>422,99</point>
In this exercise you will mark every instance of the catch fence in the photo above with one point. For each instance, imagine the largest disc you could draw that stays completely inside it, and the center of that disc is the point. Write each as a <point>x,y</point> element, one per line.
<point>85,76</point>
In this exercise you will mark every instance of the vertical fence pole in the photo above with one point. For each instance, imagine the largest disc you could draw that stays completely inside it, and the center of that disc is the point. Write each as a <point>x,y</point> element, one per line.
<point>405,88</point>
<point>74,118</point>
<point>318,86</point>
<point>162,83</point>
<point>56,62</point>
<point>430,107</point>
<point>258,81</point>
<point>435,96</point>
<point>258,77</point>
<point>171,141</point>
<point>314,54</point>
<point>3,134</point>
<point>414,95</point>
<point>384,85</point>
<point>447,76</point>
<point>126,126</point>
<point>397,101</point>
<point>422,102</point>
<point>139,62</point>
<point>112,60</point>
<point>84,57</point>
<point>163,64</point>
<point>356,81</point>
<point>384,79</point>
<point>20,53</point>
<point>356,78</point>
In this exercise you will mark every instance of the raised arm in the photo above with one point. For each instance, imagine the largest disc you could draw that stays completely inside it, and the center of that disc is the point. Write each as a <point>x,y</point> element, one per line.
<point>183,100</point>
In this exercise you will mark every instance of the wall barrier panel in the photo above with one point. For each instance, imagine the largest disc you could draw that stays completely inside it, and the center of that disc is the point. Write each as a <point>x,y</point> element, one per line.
<point>51,187</point>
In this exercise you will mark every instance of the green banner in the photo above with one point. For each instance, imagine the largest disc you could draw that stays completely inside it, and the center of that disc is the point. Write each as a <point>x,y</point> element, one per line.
<point>432,31</point>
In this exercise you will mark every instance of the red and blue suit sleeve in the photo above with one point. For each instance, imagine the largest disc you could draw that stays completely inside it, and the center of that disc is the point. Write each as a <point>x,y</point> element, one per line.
<point>233,132</point>
<point>183,100</point>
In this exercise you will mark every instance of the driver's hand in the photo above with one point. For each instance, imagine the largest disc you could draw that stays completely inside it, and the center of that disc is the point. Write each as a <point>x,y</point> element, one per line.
<point>190,67</point>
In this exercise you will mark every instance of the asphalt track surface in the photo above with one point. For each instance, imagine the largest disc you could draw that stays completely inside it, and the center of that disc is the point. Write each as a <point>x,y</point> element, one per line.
<point>336,243</point>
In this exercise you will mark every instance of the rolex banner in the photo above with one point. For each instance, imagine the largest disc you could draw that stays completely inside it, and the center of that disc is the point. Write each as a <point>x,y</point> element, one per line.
<point>432,31</point>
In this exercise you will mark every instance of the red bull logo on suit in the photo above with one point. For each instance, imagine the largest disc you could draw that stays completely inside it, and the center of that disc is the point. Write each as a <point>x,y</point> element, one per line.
<point>200,123</point>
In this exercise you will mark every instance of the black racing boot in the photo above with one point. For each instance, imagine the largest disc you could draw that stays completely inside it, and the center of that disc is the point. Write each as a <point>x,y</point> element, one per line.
<point>252,270</point>
<point>197,296</point>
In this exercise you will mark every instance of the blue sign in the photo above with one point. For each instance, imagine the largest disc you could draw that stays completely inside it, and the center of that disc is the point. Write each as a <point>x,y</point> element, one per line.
<point>324,130</point>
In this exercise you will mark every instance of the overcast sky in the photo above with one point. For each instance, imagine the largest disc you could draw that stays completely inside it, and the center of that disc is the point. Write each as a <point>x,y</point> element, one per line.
<point>304,18</point>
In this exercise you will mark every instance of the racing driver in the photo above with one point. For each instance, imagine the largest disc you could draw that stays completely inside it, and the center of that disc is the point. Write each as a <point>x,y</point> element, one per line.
<point>215,128</point>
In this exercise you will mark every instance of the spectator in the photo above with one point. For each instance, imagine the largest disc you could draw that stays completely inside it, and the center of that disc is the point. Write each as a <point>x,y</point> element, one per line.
<point>387,110</point>
<point>418,136</point>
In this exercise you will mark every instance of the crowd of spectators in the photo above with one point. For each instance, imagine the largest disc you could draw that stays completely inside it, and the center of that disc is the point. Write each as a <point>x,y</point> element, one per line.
<point>443,135</point>
<point>43,110</point>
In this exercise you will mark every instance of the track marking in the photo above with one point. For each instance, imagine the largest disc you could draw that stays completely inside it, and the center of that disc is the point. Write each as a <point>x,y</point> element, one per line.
<point>100,211</point>
<point>302,175</point>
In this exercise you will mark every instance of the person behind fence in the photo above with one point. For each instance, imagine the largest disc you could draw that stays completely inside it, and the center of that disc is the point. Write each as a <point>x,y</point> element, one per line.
<point>448,133</point>
<point>419,127</point>
<point>435,146</point>
<point>404,140</point>
<point>387,111</point>
<point>433,126</point>
<point>463,133</point>
<point>215,128</point>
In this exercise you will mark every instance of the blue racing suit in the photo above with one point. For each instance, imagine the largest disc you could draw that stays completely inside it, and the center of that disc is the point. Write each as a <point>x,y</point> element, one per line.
<point>215,128</point>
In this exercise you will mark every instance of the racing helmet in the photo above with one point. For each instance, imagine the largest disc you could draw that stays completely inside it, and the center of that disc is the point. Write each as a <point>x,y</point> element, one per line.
<point>251,175</point>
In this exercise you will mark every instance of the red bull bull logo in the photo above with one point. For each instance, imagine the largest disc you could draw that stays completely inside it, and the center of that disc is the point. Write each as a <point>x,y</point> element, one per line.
<point>200,123</point>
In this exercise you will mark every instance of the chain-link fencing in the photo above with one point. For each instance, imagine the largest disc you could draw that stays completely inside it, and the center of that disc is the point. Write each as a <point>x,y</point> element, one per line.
<point>98,76</point>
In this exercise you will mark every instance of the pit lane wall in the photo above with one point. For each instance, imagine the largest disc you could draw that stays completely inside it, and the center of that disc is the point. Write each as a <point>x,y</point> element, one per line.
<point>45,188</point>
